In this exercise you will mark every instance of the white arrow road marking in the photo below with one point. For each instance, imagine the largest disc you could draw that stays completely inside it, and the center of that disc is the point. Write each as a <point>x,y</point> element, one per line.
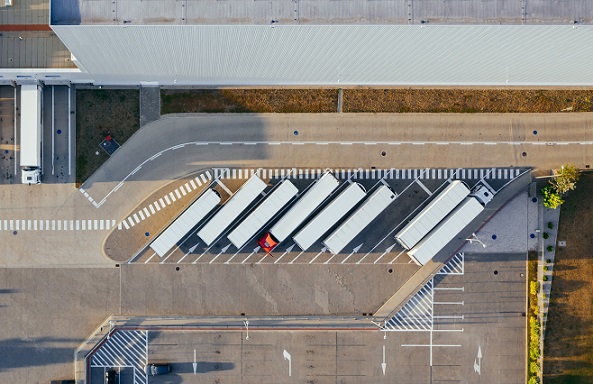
<point>323,250</point>
<point>288,357</point>
<point>195,363</point>
<point>387,250</point>
<point>188,252</point>
<point>223,250</point>
<point>288,250</point>
<point>383,364</point>
<point>251,254</point>
<point>478,361</point>
<point>352,253</point>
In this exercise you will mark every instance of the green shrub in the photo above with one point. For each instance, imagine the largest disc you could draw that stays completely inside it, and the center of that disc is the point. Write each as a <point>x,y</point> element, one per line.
<point>534,353</point>
<point>545,268</point>
<point>533,380</point>
<point>545,278</point>
<point>552,199</point>
<point>549,248</point>
<point>534,367</point>
<point>546,235</point>
<point>549,261</point>
<point>550,225</point>
<point>533,287</point>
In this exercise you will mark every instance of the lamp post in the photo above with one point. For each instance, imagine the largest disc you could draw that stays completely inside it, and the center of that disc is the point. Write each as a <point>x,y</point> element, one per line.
<point>475,238</point>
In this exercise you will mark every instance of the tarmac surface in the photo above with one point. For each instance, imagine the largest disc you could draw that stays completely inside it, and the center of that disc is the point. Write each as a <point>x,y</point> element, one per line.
<point>58,286</point>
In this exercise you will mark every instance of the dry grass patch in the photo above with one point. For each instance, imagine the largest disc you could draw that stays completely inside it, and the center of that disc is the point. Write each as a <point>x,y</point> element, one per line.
<point>249,101</point>
<point>466,100</point>
<point>569,336</point>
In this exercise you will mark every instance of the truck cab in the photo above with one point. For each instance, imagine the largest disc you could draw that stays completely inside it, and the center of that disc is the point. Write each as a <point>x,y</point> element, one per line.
<point>267,243</point>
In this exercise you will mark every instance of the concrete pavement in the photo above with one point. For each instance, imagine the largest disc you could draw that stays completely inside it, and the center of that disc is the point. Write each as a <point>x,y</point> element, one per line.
<point>177,145</point>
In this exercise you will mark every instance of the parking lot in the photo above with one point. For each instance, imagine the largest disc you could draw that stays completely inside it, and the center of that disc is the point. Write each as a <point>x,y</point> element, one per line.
<point>58,135</point>
<point>461,327</point>
<point>375,245</point>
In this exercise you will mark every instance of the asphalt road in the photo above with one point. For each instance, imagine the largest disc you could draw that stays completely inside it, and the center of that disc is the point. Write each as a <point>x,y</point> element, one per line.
<point>175,146</point>
<point>56,304</point>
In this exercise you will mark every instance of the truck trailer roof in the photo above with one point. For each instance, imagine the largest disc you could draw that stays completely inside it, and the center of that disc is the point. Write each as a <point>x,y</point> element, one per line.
<point>261,215</point>
<point>372,207</point>
<point>304,207</point>
<point>231,210</point>
<point>196,212</point>
<point>329,216</point>
<point>30,150</point>
<point>447,229</point>
<point>432,214</point>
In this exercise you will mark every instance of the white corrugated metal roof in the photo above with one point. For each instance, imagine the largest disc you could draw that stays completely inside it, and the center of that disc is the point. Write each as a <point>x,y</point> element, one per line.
<point>432,214</point>
<point>273,203</point>
<point>304,207</point>
<point>541,55</point>
<point>184,223</point>
<point>372,207</point>
<point>232,209</point>
<point>454,223</point>
<point>329,216</point>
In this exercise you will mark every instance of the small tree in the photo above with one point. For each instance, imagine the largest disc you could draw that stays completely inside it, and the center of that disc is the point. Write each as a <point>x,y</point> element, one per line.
<point>546,235</point>
<point>533,380</point>
<point>550,248</point>
<point>565,178</point>
<point>552,199</point>
<point>551,225</point>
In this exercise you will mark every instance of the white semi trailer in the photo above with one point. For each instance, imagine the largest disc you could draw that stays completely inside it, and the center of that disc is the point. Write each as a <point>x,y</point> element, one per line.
<point>432,214</point>
<point>274,202</point>
<point>231,210</point>
<point>372,207</point>
<point>299,212</point>
<point>329,216</point>
<point>447,229</point>
<point>31,134</point>
<point>196,212</point>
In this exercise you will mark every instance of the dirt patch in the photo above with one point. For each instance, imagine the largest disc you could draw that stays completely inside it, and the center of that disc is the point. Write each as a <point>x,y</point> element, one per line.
<point>250,100</point>
<point>569,342</point>
<point>421,100</point>
<point>100,112</point>
<point>467,100</point>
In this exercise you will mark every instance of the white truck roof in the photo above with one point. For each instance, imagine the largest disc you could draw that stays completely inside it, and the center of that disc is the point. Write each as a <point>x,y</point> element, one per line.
<point>447,229</point>
<point>329,216</point>
<point>30,151</point>
<point>273,203</point>
<point>196,212</point>
<point>232,209</point>
<point>304,207</point>
<point>372,207</point>
<point>432,214</point>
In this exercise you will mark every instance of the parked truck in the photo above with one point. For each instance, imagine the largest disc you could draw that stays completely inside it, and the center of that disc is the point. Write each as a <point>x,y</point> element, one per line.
<point>274,202</point>
<point>231,210</point>
<point>370,209</point>
<point>31,134</point>
<point>196,212</point>
<point>329,216</point>
<point>299,212</point>
<point>432,214</point>
<point>451,225</point>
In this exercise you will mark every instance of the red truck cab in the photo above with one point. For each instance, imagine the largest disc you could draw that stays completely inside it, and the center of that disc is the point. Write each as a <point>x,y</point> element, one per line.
<point>267,243</point>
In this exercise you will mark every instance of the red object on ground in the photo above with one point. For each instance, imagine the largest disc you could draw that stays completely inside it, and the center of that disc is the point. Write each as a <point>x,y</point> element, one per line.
<point>24,27</point>
<point>267,243</point>
<point>108,138</point>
